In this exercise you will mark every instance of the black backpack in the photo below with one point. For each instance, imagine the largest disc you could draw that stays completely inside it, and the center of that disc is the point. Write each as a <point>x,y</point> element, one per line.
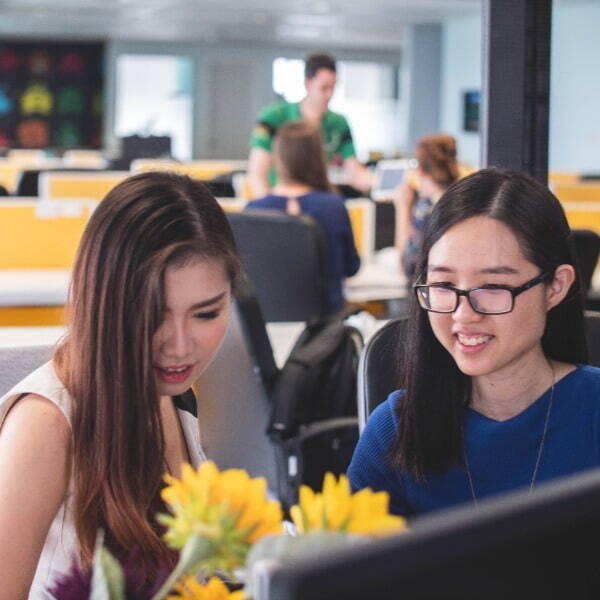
<point>314,423</point>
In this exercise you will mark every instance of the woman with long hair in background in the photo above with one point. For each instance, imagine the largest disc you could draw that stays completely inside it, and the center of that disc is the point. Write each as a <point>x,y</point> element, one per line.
<point>436,169</point>
<point>303,188</point>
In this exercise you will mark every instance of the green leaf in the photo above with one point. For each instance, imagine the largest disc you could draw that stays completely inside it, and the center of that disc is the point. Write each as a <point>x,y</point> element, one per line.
<point>196,550</point>
<point>108,581</point>
<point>114,575</point>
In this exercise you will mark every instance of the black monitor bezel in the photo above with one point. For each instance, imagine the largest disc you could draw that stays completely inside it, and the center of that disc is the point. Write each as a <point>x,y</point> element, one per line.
<point>457,534</point>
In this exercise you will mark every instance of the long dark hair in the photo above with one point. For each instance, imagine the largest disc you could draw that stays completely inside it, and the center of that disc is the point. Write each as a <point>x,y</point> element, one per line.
<point>299,155</point>
<point>145,224</point>
<point>430,415</point>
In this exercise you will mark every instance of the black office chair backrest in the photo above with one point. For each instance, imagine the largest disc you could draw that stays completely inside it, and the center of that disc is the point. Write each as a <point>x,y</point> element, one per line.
<point>17,362</point>
<point>28,183</point>
<point>379,367</point>
<point>254,329</point>
<point>587,246</point>
<point>592,332</point>
<point>284,257</point>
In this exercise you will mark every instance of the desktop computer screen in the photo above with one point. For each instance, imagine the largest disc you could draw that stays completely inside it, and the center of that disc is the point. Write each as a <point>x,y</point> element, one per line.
<point>518,546</point>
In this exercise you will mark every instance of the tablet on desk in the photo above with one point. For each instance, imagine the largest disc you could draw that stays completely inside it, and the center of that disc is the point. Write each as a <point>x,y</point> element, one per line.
<point>389,174</point>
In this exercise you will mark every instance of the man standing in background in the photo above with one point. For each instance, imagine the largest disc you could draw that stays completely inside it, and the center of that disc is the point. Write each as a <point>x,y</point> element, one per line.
<point>319,79</point>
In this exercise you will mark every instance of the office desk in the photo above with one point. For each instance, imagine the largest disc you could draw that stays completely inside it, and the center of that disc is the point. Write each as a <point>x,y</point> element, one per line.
<point>33,297</point>
<point>377,279</point>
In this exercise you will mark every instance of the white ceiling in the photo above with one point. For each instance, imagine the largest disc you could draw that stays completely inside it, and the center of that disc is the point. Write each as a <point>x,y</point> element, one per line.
<point>350,23</point>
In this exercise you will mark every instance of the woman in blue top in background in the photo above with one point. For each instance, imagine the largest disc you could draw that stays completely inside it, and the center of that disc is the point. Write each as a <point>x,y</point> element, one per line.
<point>303,187</point>
<point>495,396</point>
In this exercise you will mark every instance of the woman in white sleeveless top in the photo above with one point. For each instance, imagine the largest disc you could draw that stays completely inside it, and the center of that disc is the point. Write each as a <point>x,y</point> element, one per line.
<point>86,439</point>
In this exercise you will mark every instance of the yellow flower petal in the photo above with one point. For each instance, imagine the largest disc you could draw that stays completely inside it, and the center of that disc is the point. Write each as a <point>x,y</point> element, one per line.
<point>229,508</point>
<point>190,589</point>
<point>337,509</point>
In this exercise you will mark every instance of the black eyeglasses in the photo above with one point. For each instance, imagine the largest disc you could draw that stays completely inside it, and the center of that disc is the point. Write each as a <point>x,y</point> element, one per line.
<point>487,300</point>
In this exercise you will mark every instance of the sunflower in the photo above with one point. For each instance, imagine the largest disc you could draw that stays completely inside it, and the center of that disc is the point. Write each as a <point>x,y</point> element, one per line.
<point>228,510</point>
<point>214,589</point>
<point>337,509</point>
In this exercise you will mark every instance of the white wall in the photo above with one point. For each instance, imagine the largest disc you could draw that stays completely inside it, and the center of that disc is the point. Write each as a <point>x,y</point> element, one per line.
<point>574,138</point>
<point>255,92</point>
<point>461,72</point>
<point>575,87</point>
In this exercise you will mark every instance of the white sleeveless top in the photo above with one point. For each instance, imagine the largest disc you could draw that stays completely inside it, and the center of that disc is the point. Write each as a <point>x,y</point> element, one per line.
<point>61,548</point>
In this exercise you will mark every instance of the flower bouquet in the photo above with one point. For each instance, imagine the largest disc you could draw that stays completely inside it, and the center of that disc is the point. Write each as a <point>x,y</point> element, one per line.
<point>224,525</point>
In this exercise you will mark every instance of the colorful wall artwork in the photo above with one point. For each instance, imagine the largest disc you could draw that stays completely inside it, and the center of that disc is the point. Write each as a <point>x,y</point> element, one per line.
<point>51,95</point>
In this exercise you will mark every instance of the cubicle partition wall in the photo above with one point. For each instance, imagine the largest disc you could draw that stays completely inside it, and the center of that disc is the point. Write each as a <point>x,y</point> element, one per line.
<point>78,184</point>
<point>38,242</point>
<point>199,169</point>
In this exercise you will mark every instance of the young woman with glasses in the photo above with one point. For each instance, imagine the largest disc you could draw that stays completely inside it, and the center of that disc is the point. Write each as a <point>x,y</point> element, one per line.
<point>86,439</point>
<point>494,393</point>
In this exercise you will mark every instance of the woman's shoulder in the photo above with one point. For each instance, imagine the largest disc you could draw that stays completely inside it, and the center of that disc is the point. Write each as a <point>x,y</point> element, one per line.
<point>581,384</point>
<point>37,413</point>
<point>265,202</point>
<point>583,375</point>
<point>326,199</point>
<point>327,206</point>
<point>42,383</point>
<point>384,416</point>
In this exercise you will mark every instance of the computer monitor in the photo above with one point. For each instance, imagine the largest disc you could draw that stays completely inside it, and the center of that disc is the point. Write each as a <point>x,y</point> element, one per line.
<point>518,546</point>
<point>389,174</point>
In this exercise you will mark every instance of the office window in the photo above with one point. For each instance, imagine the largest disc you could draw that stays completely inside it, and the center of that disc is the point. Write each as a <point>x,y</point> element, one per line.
<point>154,97</point>
<point>366,94</point>
<point>288,79</point>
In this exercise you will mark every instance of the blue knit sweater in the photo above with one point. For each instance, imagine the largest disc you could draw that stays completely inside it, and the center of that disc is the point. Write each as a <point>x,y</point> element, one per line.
<point>501,455</point>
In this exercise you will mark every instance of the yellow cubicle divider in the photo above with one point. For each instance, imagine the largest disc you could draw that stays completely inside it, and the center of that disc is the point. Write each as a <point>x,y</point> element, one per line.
<point>32,316</point>
<point>45,233</point>
<point>362,219</point>
<point>38,234</point>
<point>9,175</point>
<point>198,169</point>
<point>580,192</point>
<point>79,184</point>
<point>557,178</point>
<point>583,215</point>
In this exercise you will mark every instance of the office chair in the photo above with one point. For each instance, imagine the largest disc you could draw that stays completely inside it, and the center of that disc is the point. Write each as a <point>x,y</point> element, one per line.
<point>592,332</point>
<point>587,247</point>
<point>220,188</point>
<point>379,368</point>
<point>284,257</point>
<point>18,362</point>
<point>379,365</point>
<point>28,183</point>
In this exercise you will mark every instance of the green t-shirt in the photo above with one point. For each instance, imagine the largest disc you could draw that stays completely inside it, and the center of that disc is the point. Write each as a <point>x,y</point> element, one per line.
<point>334,130</point>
